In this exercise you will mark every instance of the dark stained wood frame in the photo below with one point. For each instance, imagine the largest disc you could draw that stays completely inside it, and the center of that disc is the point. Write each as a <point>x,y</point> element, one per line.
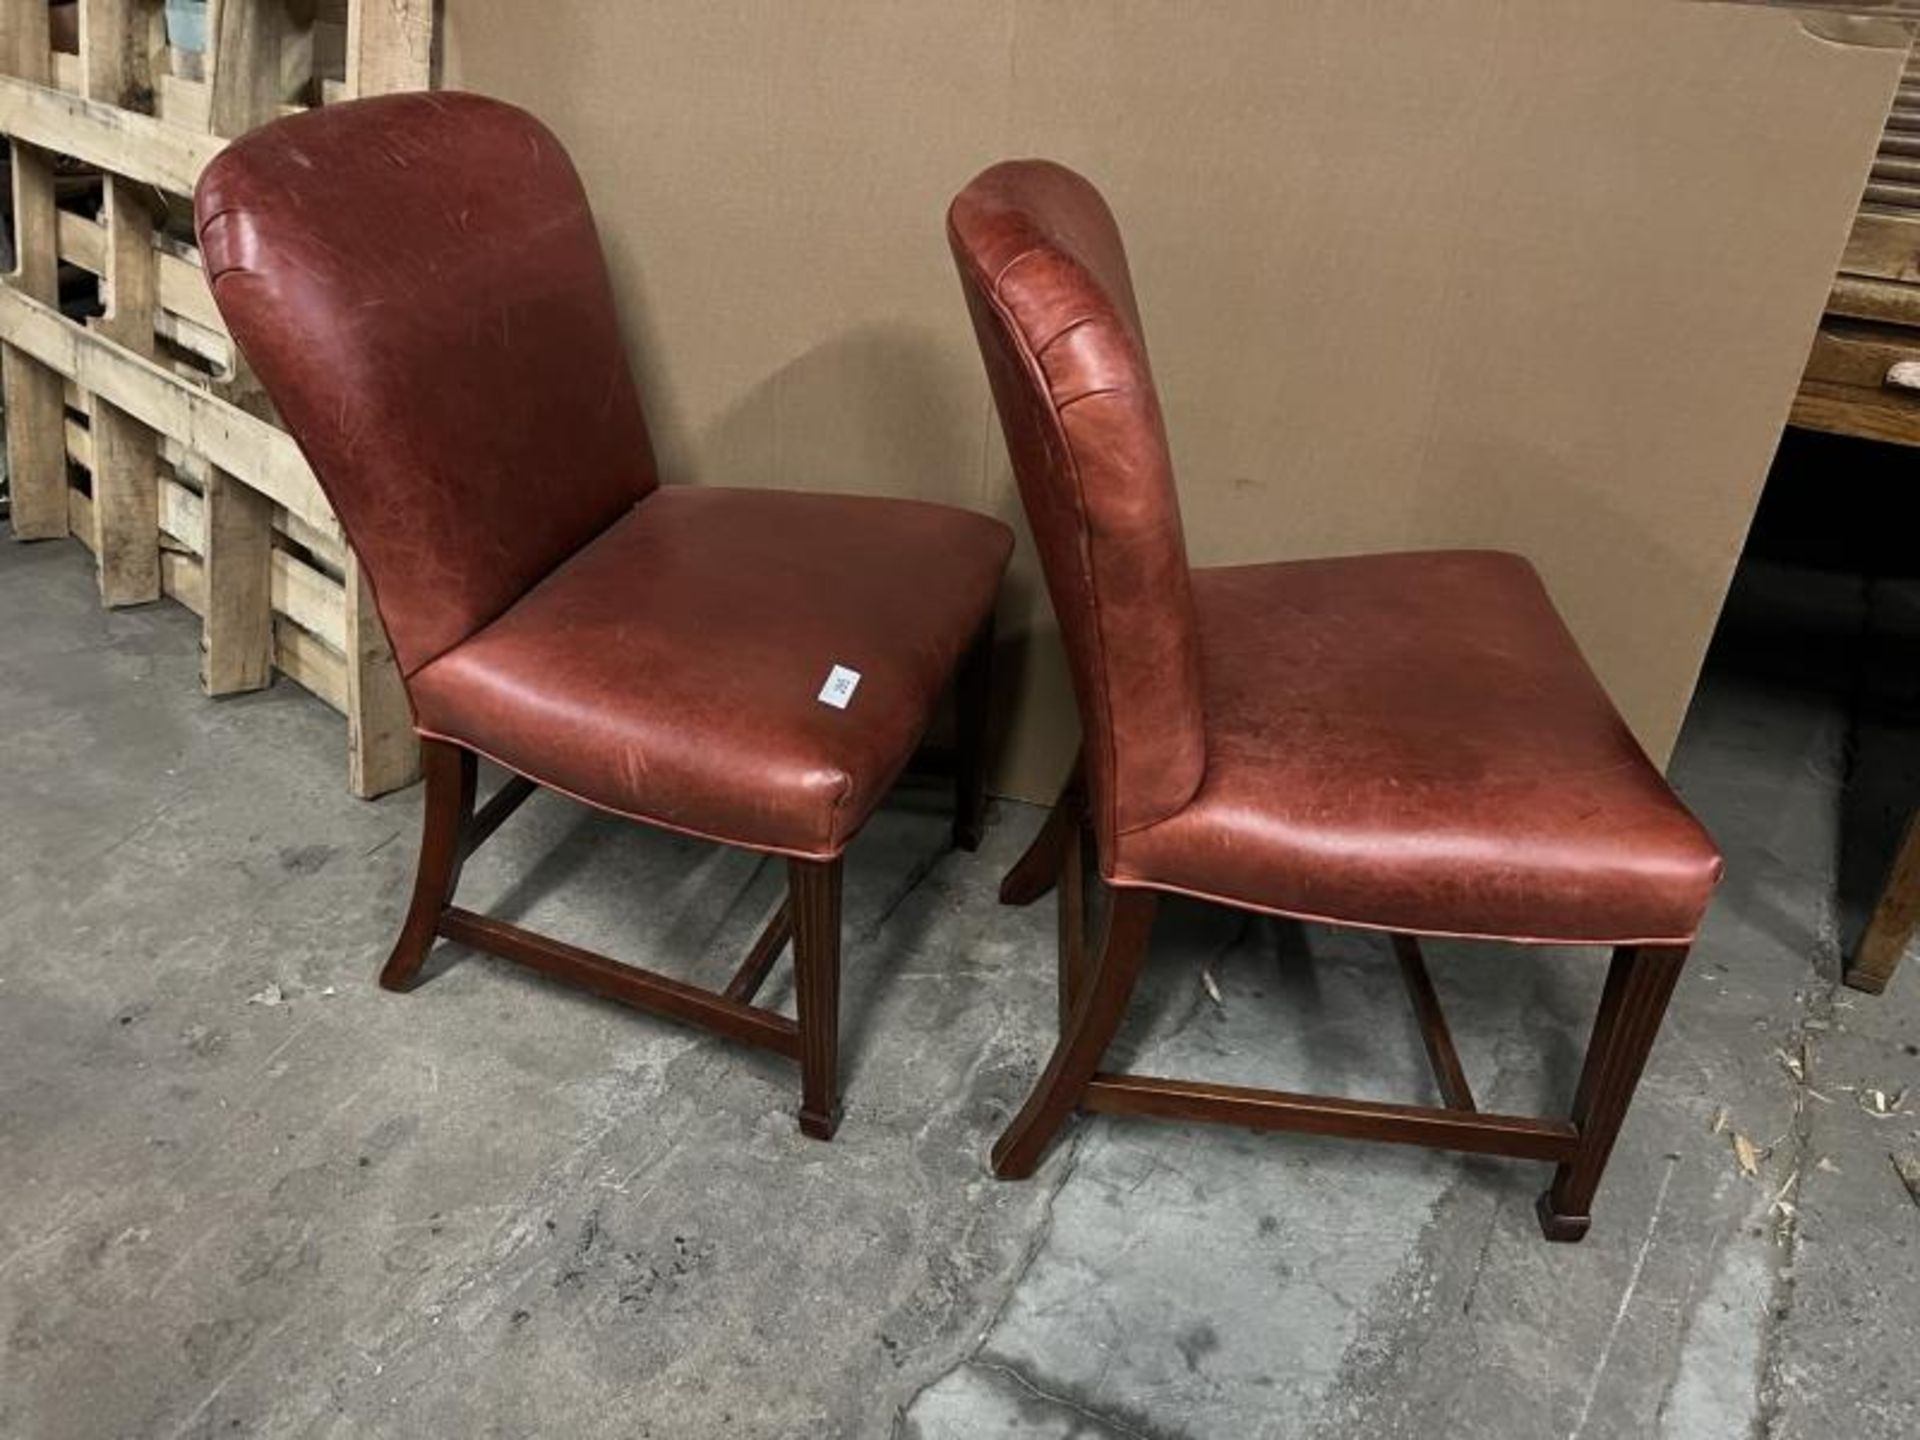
<point>1096,987</point>
<point>1895,918</point>
<point>808,917</point>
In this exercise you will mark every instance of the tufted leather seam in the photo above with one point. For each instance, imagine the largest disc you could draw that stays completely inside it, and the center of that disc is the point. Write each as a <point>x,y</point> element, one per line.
<point>991,291</point>
<point>1095,394</point>
<point>1039,351</point>
<point>1032,362</point>
<point>1059,407</point>
<point>200,239</point>
<point>993,285</point>
<point>1064,331</point>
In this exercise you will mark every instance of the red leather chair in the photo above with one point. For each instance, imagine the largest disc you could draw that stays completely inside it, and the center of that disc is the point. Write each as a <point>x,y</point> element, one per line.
<point>1408,743</point>
<point>417,282</point>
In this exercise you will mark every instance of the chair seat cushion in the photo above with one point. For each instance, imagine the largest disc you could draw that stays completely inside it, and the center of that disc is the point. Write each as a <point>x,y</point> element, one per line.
<point>1413,742</point>
<point>671,669</point>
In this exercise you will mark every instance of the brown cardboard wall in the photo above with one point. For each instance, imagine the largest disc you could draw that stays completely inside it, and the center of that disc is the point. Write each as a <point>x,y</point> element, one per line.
<point>1538,275</point>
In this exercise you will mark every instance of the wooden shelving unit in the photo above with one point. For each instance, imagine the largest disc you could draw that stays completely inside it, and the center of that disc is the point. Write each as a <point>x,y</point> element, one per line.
<point>136,428</point>
<point>1863,377</point>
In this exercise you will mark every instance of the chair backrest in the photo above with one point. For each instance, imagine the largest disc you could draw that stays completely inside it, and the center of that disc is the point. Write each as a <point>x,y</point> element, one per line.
<point>417,282</point>
<point>1046,280</point>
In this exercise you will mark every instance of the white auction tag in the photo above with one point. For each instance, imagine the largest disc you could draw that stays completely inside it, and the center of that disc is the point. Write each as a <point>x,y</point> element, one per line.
<point>839,687</point>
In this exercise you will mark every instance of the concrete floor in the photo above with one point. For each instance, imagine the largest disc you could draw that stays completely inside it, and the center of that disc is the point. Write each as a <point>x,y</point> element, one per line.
<point>244,1192</point>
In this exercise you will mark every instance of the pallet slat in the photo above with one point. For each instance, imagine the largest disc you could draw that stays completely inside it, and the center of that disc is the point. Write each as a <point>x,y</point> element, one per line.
<point>180,288</point>
<point>183,515</point>
<point>1883,247</point>
<point>183,579</point>
<point>381,753</point>
<point>309,598</point>
<point>125,496</point>
<point>304,593</point>
<point>389,46</point>
<point>36,472</point>
<point>237,646</point>
<point>306,659</point>
<point>1853,410</point>
<point>227,436</point>
<point>139,147</point>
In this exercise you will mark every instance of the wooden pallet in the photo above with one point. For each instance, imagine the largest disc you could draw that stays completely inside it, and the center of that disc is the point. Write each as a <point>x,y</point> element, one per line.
<point>140,431</point>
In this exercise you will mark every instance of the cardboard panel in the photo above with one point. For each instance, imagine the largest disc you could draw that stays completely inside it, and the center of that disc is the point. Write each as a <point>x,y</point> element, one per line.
<point>1538,275</point>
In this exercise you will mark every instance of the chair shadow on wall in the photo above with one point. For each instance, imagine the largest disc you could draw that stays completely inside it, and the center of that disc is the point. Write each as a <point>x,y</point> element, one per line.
<point>881,409</point>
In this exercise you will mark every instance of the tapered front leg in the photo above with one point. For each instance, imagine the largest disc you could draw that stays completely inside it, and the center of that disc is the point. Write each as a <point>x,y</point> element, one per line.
<point>1097,1010</point>
<point>1639,984</point>
<point>813,896</point>
<point>1895,918</point>
<point>449,772</point>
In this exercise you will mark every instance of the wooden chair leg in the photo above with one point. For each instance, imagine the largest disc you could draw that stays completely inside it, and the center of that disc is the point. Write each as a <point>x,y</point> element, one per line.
<point>1072,947</point>
<point>972,691</point>
<point>450,773</point>
<point>1639,984</point>
<point>813,896</point>
<point>1895,919</point>
<point>1102,1000</point>
<point>1036,872</point>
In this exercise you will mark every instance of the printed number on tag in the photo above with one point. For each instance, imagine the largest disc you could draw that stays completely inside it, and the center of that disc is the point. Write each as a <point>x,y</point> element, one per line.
<point>839,687</point>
